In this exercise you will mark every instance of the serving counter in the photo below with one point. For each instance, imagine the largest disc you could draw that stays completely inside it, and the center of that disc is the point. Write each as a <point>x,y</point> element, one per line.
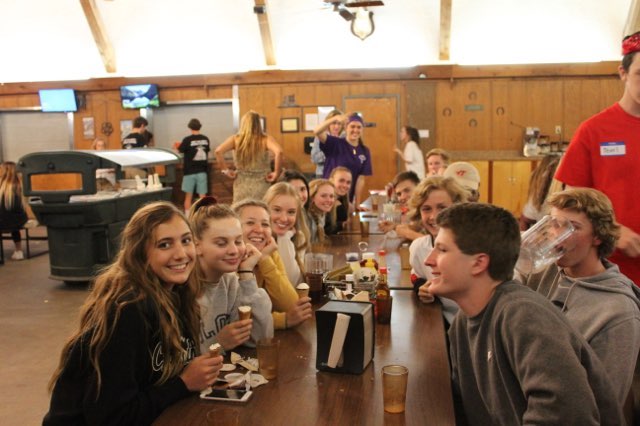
<point>84,224</point>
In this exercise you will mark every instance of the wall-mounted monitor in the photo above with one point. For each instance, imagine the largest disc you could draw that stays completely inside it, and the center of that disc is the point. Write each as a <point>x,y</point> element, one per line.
<point>58,100</point>
<point>136,96</point>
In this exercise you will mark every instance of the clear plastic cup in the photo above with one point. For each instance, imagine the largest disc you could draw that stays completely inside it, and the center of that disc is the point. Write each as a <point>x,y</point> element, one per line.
<point>540,244</point>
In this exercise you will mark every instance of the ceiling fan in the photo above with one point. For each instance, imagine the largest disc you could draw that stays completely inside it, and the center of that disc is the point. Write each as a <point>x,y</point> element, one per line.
<point>341,6</point>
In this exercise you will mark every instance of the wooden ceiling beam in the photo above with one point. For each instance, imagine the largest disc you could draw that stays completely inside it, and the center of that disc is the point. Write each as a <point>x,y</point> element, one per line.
<point>100,35</point>
<point>260,10</point>
<point>445,30</point>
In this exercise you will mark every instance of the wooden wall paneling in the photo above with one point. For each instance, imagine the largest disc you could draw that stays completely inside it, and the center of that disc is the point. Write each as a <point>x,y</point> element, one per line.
<point>420,105</point>
<point>518,116</point>
<point>476,115</point>
<point>459,128</point>
<point>19,101</point>
<point>585,97</point>
<point>500,115</point>
<point>195,93</point>
<point>544,105</point>
<point>445,116</point>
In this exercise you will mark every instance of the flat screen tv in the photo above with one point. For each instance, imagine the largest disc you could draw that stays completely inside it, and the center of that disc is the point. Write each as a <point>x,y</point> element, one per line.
<point>136,96</point>
<point>58,100</point>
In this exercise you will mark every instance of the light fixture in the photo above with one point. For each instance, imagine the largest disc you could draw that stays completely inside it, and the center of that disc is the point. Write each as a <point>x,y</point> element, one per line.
<point>343,11</point>
<point>362,26</point>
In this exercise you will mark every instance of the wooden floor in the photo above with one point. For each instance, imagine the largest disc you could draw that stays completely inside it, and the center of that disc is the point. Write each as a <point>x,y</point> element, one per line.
<point>36,316</point>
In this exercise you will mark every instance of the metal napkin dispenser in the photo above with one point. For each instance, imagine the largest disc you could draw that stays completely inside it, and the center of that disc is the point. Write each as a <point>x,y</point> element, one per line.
<point>345,336</point>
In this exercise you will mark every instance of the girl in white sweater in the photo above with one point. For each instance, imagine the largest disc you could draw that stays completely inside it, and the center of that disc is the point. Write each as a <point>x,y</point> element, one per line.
<point>225,270</point>
<point>289,228</point>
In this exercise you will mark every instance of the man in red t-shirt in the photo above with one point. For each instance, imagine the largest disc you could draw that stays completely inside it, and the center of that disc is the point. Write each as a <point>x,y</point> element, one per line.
<point>605,154</point>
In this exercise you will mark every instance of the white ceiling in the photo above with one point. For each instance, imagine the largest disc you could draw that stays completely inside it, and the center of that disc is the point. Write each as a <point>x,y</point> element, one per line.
<point>42,40</point>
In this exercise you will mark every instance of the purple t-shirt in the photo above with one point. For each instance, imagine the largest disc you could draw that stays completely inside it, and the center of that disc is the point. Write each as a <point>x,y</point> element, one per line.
<point>339,152</point>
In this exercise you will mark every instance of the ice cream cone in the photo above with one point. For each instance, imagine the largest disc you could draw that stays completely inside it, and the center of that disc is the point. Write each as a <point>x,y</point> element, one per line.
<point>244,312</point>
<point>303,290</point>
<point>214,349</point>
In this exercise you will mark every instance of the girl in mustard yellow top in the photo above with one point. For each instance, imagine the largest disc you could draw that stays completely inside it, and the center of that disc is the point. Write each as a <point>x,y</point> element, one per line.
<point>288,310</point>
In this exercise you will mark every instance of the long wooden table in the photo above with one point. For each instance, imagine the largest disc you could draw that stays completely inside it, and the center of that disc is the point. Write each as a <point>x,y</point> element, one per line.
<point>301,395</point>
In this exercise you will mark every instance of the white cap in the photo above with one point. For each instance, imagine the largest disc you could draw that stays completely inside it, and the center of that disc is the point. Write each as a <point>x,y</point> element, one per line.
<point>368,255</point>
<point>464,173</point>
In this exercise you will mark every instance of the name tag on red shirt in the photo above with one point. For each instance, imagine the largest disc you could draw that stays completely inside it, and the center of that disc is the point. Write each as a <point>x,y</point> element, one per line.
<point>612,149</point>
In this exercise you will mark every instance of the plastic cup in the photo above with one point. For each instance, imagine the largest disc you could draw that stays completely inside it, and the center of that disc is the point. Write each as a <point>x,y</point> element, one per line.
<point>268,358</point>
<point>403,250</point>
<point>314,280</point>
<point>364,227</point>
<point>540,244</point>
<point>383,305</point>
<point>394,387</point>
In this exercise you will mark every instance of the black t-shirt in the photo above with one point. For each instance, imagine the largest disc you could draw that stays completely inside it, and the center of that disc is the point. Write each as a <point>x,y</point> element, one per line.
<point>134,140</point>
<point>195,149</point>
<point>14,218</point>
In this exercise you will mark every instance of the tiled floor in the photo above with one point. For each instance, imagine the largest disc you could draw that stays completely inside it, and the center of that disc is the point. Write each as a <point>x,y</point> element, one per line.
<point>36,316</point>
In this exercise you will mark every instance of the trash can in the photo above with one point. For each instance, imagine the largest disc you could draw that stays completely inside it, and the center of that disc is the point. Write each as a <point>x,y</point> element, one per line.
<point>84,224</point>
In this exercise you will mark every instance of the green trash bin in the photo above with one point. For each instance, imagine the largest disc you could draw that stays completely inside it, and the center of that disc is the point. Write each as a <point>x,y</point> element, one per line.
<point>84,225</point>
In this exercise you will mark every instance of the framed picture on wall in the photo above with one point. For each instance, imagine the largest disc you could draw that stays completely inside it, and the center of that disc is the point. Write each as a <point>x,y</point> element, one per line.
<point>289,125</point>
<point>88,128</point>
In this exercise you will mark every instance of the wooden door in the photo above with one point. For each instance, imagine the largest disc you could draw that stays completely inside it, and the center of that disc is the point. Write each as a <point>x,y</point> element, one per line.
<point>381,114</point>
<point>510,184</point>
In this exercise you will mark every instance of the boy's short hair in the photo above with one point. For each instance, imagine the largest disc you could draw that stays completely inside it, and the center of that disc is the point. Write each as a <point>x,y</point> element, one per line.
<point>408,175</point>
<point>484,228</point>
<point>139,122</point>
<point>194,124</point>
<point>598,209</point>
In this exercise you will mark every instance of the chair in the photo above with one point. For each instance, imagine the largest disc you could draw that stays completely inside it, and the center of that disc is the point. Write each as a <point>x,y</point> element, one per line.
<point>5,234</point>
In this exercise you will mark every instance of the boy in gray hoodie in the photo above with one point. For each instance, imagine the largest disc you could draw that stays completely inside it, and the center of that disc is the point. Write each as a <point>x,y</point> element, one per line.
<point>597,299</point>
<point>515,359</point>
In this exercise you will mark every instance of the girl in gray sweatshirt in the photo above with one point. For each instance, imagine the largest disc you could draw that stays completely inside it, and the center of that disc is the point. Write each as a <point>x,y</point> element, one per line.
<point>225,271</point>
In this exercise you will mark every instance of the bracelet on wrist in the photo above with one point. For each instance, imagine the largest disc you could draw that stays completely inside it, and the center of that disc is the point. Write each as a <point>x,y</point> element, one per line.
<point>244,271</point>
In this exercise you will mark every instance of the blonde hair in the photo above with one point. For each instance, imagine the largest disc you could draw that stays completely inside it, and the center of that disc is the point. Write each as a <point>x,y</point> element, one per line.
<point>250,141</point>
<point>10,185</point>
<point>128,280</point>
<point>441,152</point>
<point>249,202</point>
<point>598,209</point>
<point>301,239</point>
<point>457,192</point>
<point>334,113</point>
<point>94,145</point>
<point>314,212</point>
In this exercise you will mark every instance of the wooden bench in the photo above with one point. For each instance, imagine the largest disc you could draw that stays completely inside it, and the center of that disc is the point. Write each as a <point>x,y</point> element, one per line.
<point>5,235</point>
